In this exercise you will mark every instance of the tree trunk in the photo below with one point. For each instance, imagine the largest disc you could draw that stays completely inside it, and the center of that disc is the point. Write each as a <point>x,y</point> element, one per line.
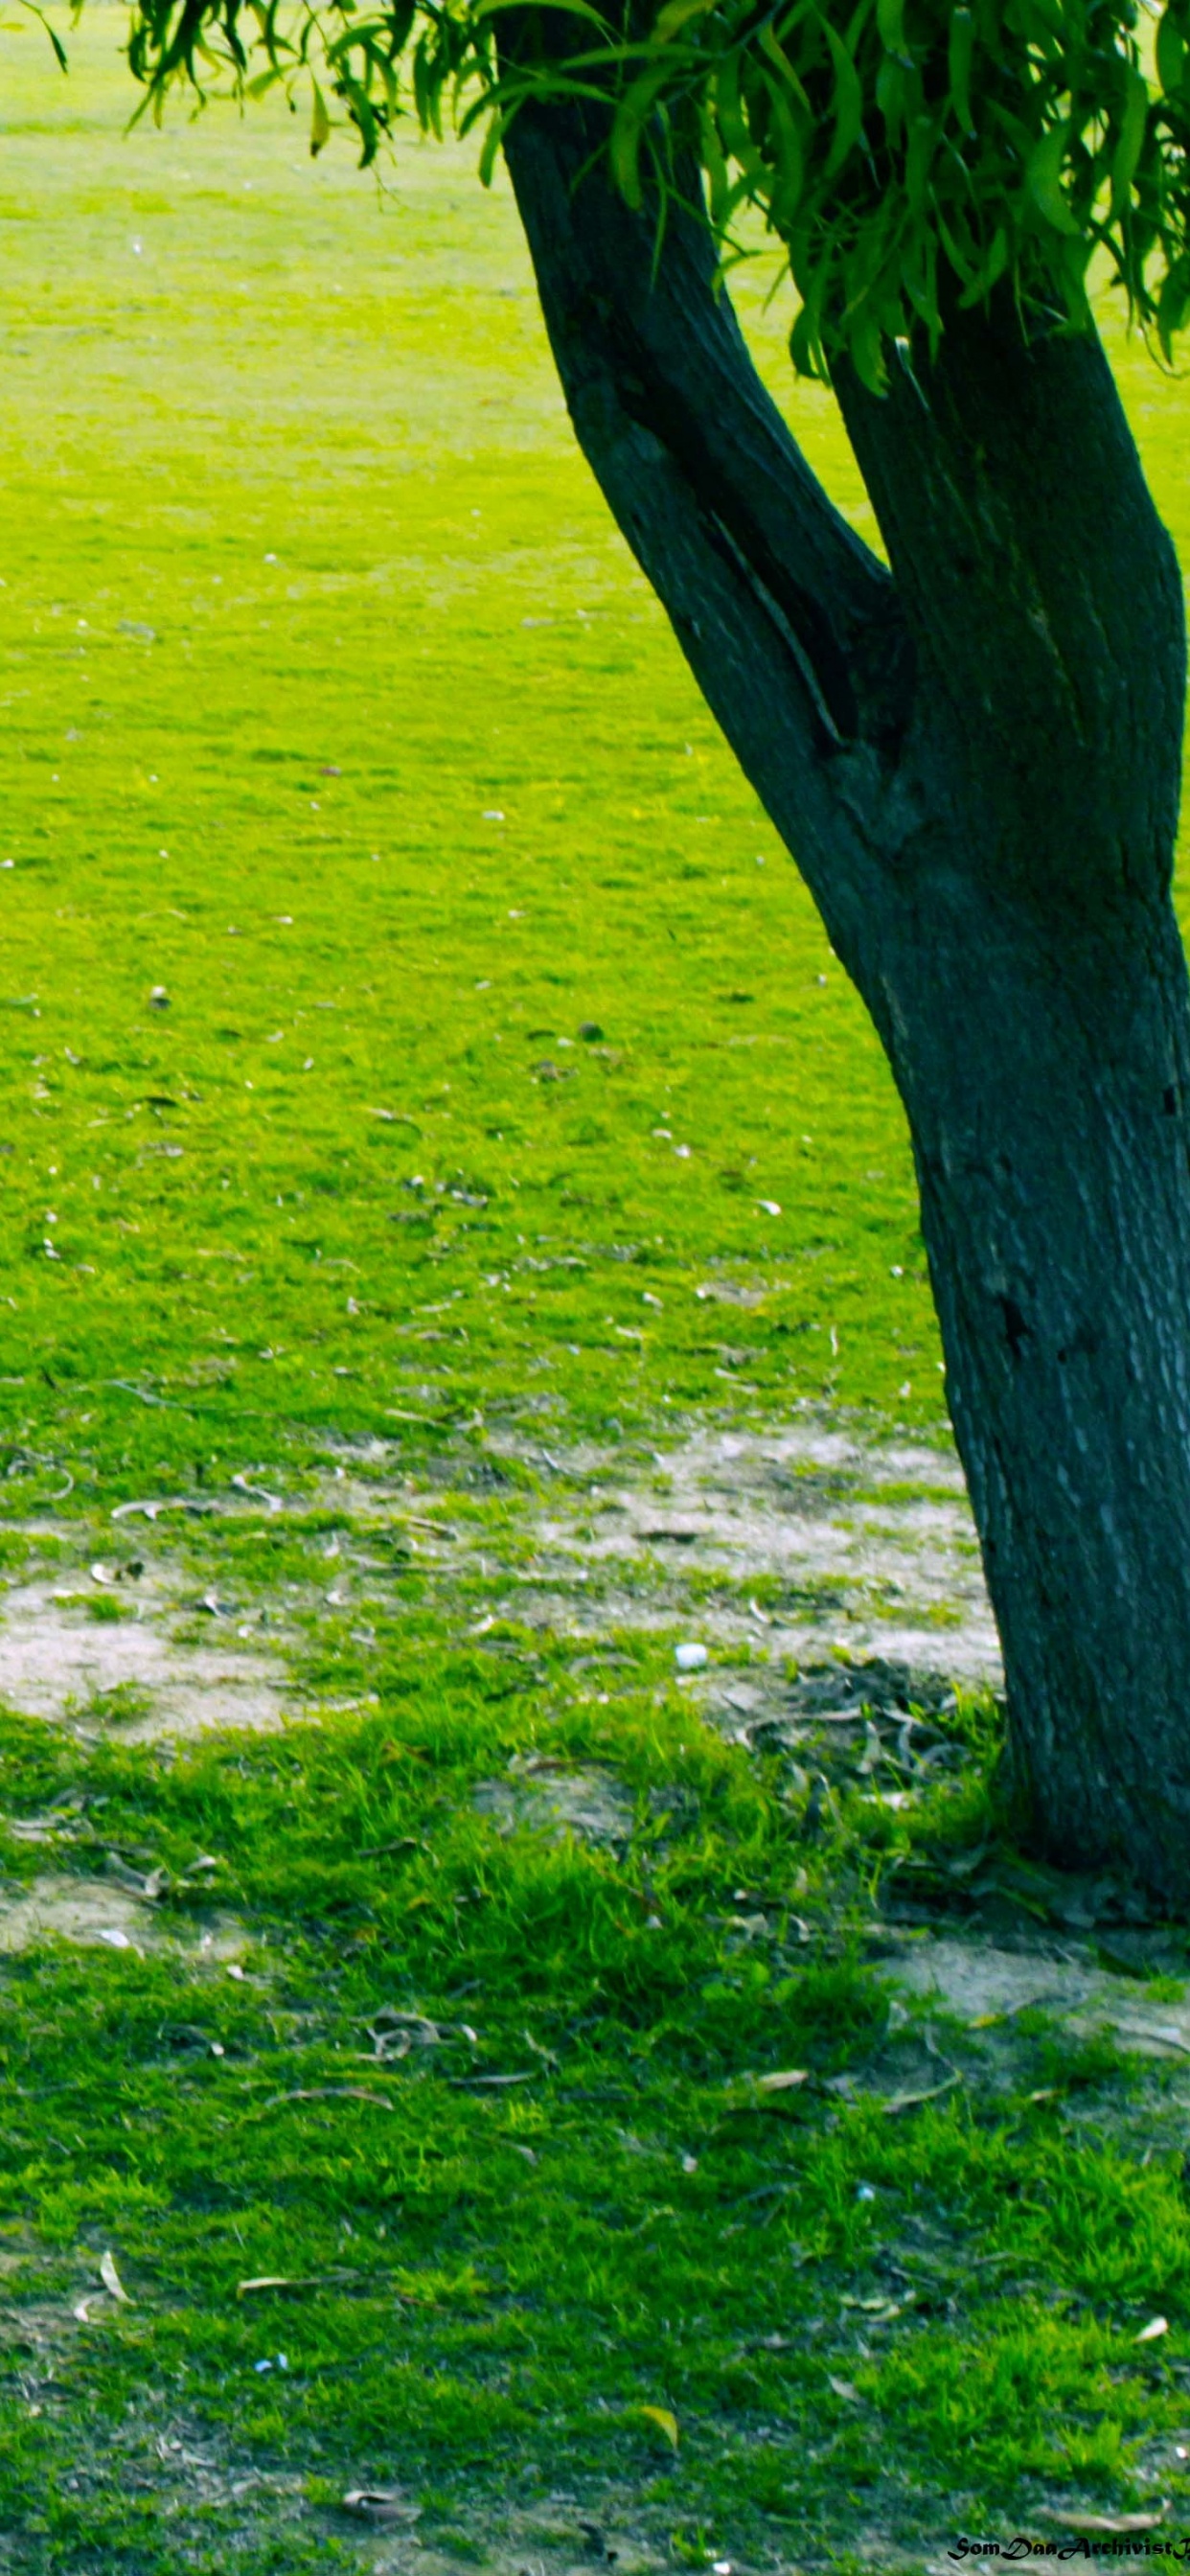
<point>1047,1094</point>
<point>1028,980</point>
<point>975,758</point>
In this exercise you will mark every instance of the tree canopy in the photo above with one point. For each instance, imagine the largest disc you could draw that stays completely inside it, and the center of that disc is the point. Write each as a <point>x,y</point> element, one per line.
<point>908,155</point>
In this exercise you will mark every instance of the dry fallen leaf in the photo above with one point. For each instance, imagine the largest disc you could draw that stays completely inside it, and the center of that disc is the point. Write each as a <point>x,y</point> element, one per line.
<point>380,2504</point>
<point>82,2313</point>
<point>1091,2522</point>
<point>843,2388</point>
<point>664,2421</point>
<point>111,2279</point>
<point>909,2101</point>
<point>1155,2327</point>
<point>293,2281</point>
<point>784,2081</point>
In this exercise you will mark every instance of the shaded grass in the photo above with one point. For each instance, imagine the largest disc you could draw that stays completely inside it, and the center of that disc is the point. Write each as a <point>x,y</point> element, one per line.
<point>577,2203</point>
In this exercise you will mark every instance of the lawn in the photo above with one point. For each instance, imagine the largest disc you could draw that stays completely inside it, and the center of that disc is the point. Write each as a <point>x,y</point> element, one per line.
<point>431,1110</point>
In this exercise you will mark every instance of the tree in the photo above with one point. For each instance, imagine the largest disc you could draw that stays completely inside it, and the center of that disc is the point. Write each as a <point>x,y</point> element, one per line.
<point>973,755</point>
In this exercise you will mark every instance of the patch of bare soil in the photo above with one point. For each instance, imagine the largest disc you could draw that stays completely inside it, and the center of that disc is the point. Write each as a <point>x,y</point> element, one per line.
<point>59,1660</point>
<point>559,2538</point>
<point>980,1984</point>
<point>872,1545</point>
<point>99,1912</point>
<point>556,1799</point>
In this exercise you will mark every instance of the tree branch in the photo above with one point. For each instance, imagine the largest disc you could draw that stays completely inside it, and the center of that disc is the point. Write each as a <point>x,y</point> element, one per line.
<point>1043,594</point>
<point>791,625</point>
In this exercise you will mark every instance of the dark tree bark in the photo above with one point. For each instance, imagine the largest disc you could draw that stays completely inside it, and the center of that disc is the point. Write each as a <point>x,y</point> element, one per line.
<point>975,760</point>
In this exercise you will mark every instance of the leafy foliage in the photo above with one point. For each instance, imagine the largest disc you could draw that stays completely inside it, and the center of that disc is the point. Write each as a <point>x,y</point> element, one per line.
<point>910,155</point>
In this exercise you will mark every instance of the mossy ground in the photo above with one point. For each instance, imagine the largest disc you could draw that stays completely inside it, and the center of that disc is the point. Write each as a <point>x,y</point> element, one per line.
<point>335,709</point>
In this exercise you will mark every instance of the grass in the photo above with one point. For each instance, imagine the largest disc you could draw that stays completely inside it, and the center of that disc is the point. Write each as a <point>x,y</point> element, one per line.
<point>489,1016</point>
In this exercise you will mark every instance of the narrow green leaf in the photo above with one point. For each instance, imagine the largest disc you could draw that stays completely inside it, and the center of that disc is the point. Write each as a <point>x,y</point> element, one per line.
<point>1132,135</point>
<point>922,145</point>
<point>788,159</point>
<point>491,149</point>
<point>729,115</point>
<point>677,15</point>
<point>990,270</point>
<point>890,19</point>
<point>866,351</point>
<point>55,40</point>
<point>568,8</point>
<point>848,101</point>
<point>320,124</point>
<point>781,62</point>
<point>960,57</point>
<point>1043,179</point>
<point>1171,55</point>
<point>627,132</point>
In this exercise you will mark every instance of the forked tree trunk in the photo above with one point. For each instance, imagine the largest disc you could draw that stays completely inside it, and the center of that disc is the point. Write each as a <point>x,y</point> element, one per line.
<point>974,758</point>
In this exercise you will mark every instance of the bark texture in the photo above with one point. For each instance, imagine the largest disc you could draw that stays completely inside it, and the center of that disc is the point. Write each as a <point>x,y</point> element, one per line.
<point>974,757</point>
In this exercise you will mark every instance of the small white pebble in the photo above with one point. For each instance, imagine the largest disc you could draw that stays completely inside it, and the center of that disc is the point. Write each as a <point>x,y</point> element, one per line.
<point>690,1658</point>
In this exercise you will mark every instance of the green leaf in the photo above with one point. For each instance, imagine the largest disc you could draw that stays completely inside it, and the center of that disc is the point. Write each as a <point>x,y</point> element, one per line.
<point>990,271</point>
<point>890,20</point>
<point>960,54</point>
<point>848,101</point>
<point>677,15</point>
<point>866,351</point>
<point>1171,55</point>
<point>1043,179</point>
<point>788,158</point>
<point>55,40</point>
<point>894,87</point>
<point>1133,128</point>
<point>632,115</point>
<point>491,148</point>
<point>733,125</point>
<point>923,143</point>
<point>320,124</point>
<point>780,59</point>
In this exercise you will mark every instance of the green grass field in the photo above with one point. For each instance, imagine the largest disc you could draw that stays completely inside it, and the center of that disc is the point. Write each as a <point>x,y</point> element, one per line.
<point>406,1011</point>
